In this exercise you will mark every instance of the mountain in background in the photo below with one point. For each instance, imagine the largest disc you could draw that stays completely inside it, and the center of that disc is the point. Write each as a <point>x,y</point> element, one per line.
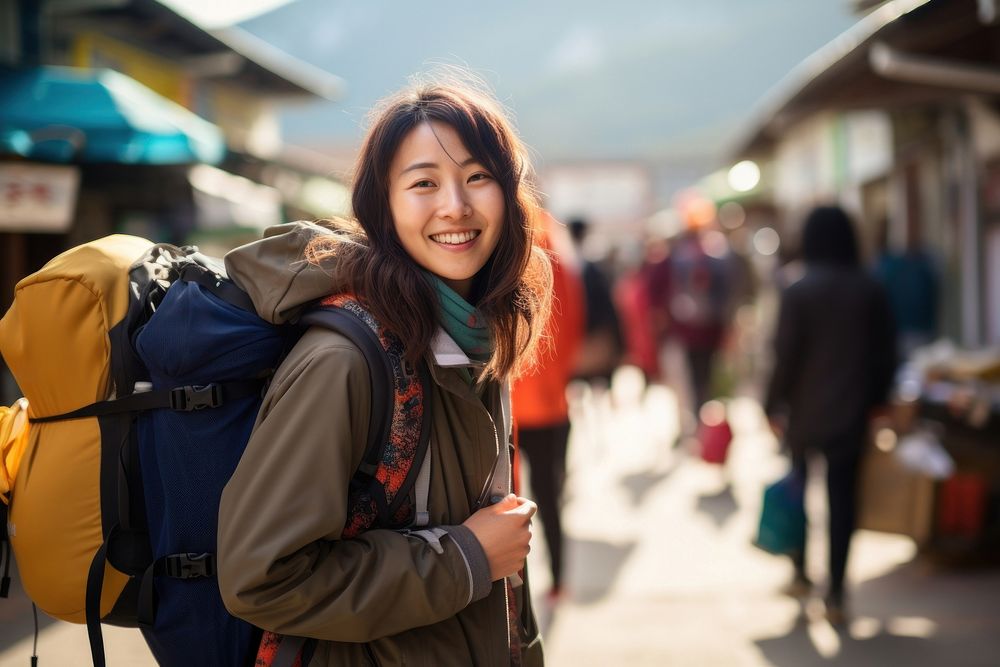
<point>668,82</point>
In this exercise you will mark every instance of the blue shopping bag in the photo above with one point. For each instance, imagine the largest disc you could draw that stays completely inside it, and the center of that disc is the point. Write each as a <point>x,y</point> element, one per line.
<point>782,529</point>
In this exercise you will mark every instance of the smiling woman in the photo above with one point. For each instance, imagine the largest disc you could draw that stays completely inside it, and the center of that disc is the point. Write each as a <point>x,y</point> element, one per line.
<point>440,161</point>
<point>448,209</point>
<point>442,257</point>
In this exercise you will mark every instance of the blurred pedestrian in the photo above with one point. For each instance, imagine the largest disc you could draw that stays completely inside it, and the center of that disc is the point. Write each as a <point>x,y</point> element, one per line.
<point>834,363</point>
<point>541,413</point>
<point>691,291</point>
<point>911,281</point>
<point>603,343</point>
<point>633,301</point>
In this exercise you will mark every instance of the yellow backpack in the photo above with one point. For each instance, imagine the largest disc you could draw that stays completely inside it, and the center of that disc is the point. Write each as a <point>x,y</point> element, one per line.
<point>78,521</point>
<point>56,339</point>
<point>117,345</point>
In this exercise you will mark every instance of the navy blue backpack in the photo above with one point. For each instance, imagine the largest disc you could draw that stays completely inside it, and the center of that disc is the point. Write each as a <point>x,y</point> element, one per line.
<point>187,456</point>
<point>206,358</point>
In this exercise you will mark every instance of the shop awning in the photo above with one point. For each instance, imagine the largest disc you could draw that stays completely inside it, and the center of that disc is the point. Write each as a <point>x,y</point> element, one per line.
<point>62,114</point>
<point>905,54</point>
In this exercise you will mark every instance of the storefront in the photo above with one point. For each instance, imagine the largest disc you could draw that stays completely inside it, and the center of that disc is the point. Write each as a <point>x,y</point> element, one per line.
<point>898,121</point>
<point>85,153</point>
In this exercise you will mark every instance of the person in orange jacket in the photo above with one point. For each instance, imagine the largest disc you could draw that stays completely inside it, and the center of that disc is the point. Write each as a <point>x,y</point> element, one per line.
<point>541,413</point>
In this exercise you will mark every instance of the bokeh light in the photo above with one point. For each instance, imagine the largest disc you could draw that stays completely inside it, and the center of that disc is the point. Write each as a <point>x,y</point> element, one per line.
<point>732,215</point>
<point>766,241</point>
<point>744,176</point>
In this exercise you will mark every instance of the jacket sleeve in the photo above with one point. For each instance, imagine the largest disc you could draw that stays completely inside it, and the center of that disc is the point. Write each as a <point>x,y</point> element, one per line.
<point>787,344</point>
<point>283,565</point>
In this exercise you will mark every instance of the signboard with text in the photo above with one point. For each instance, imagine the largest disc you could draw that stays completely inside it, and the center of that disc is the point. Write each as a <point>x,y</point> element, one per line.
<point>37,198</point>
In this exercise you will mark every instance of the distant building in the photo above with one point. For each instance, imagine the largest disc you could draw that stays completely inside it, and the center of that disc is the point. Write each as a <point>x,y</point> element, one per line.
<point>898,120</point>
<point>126,117</point>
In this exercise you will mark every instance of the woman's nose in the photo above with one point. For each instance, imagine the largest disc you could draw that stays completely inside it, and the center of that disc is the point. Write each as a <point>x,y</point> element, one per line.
<point>454,204</point>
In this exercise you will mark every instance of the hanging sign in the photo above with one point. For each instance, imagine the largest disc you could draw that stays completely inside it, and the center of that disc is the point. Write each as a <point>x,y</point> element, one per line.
<point>37,198</point>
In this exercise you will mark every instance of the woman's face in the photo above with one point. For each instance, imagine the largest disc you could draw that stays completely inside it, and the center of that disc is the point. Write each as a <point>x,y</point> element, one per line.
<point>447,209</point>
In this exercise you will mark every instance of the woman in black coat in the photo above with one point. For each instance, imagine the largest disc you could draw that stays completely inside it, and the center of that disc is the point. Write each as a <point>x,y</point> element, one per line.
<point>834,363</point>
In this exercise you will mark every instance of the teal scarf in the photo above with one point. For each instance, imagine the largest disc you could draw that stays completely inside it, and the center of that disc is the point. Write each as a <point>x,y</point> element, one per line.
<point>463,322</point>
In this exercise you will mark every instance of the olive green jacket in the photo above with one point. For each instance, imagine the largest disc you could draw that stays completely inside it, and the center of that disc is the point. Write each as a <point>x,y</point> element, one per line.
<point>385,597</point>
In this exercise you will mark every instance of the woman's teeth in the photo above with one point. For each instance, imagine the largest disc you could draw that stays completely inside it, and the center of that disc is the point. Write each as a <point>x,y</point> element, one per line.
<point>455,239</point>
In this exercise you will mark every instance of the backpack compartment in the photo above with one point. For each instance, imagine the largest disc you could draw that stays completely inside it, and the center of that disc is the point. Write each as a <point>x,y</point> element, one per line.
<point>56,340</point>
<point>195,339</point>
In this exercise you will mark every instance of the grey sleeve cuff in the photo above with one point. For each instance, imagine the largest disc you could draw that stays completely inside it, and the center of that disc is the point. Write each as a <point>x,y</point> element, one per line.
<point>475,561</point>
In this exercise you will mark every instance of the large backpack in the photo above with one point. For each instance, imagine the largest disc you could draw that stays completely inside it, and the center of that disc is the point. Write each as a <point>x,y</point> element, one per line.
<point>144,367</point>
<point>699,286</point>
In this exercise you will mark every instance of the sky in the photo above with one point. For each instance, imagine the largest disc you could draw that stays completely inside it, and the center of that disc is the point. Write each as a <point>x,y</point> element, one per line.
<point>659,80</point>
<point>673,84</point>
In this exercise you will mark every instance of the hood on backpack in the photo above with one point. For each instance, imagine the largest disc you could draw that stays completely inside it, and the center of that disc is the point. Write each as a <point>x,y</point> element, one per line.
<point>274,272</point>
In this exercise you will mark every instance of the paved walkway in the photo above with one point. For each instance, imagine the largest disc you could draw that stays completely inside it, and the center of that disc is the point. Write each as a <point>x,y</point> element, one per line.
<point>661,570</point>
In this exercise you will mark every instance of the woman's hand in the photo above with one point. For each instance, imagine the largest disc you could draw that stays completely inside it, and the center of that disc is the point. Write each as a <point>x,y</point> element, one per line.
<point>504,531</point>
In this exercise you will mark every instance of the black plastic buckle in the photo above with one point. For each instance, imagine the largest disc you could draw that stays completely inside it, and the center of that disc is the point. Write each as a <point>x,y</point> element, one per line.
<point>189,566</point>
<point>190,398</point>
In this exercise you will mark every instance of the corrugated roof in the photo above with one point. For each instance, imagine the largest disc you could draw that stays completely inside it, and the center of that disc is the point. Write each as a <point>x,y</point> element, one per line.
<point>848,45</point>
<point>308,77</point>
<point>153,25</point>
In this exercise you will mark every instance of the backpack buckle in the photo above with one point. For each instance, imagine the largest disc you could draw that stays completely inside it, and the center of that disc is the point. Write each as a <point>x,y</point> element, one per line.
<point>190,398</point>
<point>189,565</point>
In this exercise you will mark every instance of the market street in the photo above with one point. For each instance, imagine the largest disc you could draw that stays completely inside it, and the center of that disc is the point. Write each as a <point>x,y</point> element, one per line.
<point>661,570</point>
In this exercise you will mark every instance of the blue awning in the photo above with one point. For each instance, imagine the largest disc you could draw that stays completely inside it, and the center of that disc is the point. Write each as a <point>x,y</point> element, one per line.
<point>63,114</point>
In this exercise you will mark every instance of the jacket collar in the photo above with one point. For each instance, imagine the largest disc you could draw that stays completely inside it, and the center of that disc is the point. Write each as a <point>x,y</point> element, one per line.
<point>447,353</point>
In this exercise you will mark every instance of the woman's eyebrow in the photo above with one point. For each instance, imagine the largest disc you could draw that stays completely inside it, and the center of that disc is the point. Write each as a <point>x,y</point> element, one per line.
<point>435,165</point>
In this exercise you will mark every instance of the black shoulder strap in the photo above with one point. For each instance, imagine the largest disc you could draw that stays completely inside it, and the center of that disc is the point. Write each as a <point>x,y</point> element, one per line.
<point>383,380</point>
<point>185,399</point>
<point>6,555</point>
<point>423,377</point>
<point>383,394</point>
<point>390,373</point>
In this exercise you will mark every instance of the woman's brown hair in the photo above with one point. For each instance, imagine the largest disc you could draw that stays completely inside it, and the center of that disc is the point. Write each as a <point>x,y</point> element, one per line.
<point>512,291</point>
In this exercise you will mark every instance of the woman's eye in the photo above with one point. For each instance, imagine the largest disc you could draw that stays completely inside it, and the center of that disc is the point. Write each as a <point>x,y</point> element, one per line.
<point>424,184</point>
<point>479,176</point>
